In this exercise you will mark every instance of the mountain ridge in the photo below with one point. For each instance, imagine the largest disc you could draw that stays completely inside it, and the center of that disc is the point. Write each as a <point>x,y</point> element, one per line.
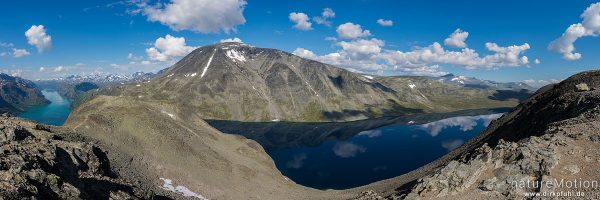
<point>18,94</point>
<point>239,82</point>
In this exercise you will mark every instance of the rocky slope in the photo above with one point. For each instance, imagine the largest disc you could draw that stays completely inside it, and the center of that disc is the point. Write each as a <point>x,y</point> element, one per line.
<point>37,163</point>
<point>551,137</point>
<point>17,94</point>
<point>235,81</point>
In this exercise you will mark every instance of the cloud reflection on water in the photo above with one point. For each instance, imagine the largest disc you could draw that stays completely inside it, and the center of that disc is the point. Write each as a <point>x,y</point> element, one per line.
<point>347,149</point>
<point>297,162</point>
<point>466,123</point>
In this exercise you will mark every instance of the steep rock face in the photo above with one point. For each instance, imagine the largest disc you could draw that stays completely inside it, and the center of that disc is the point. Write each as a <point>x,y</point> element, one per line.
<point>17,94</point>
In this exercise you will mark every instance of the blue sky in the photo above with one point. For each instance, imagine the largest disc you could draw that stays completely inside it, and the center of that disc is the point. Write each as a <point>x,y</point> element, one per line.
<point>97,36</point>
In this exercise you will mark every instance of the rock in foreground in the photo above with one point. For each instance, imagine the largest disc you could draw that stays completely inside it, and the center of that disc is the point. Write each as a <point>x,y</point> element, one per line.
<point>546,146</point>
<point>38,164</point>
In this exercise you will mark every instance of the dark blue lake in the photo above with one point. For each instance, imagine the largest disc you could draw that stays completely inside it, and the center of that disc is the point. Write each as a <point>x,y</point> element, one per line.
<point>55,113</point>
<point>375,154</point>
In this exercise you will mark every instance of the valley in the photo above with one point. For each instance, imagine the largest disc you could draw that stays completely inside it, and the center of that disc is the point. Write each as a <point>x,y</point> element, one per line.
<point>299,100</point>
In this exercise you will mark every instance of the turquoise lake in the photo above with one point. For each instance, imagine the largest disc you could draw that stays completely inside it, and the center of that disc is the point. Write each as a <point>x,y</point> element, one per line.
<point>55,113</point>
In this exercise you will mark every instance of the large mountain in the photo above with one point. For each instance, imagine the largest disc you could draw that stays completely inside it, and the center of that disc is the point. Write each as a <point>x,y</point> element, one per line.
<point>235,81</point>
<point>17,94</point>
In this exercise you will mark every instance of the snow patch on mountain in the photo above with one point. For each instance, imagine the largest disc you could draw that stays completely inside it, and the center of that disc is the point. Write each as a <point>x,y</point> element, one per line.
<point>208,64</point>
<point>182,190</point>
<point>235,55</point>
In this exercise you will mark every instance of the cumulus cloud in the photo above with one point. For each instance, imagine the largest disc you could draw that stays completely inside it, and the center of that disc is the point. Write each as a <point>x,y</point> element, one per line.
<point>371,56</point>
<point>541,82</point>
<point>203,16</point>
<point>457,39</point>
<point>326,14</point>
<point>590,26</point>
<point>305,53</point>
<point>168,47</point>
<point>347,149</point>
<point>17,53</point>
<point>301,21</point>
<point>350,30</point>
<point>537,61</point>
<point>37,36</point>
<point>231,40</point>
<point>384,22</point>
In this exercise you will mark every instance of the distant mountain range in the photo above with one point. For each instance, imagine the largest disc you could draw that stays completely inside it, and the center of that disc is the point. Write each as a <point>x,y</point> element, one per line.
<point>104,78</point>
<point>17,94</point>
<point>471,82</point>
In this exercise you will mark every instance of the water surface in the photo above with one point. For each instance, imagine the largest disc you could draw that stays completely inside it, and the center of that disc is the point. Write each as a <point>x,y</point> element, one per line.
<point>346,155</point>
<point>55,113</point>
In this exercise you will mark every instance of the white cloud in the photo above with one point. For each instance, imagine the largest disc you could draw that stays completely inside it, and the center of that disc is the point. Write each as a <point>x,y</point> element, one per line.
<point>457,39</point>
<point>203,16</point>
<point>590,26</point>
<point>537,61</point>
<point>331,38</point>
<point>4,44</point>
<point>305,53</point>
<point>231,40</point>
<point>326,14</point>
<point>347,149</point>
<point>2,54</point>
<point>36,36</point>
<point>60,69</point>
<point>301,21</point>
<point>42,69</point>
<point>134,58</point>
<point>17,53</point>
<point>350,30</point>
<point>384,22</point>
<point>362,47</point>
<point>168,47</point>
<point>371,56</point>
<point>541,82</point>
